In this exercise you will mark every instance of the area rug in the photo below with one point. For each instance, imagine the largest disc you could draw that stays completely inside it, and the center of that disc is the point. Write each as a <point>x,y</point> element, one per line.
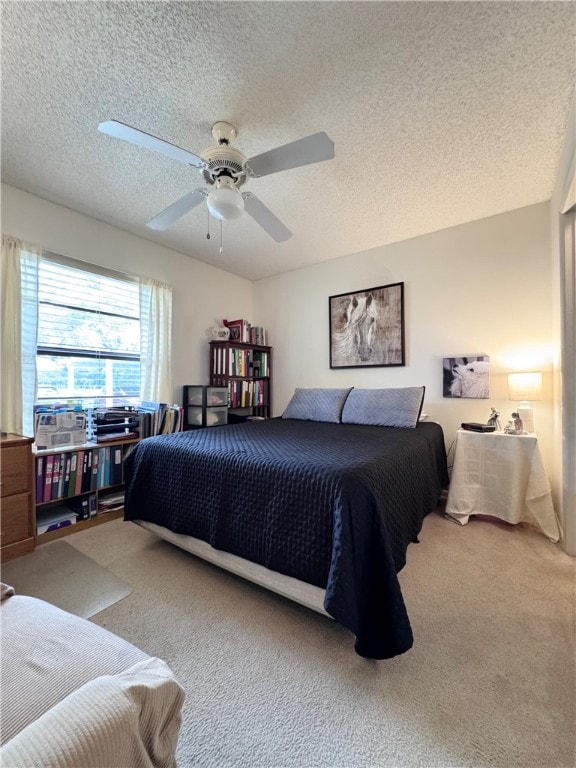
<point>58,573</point>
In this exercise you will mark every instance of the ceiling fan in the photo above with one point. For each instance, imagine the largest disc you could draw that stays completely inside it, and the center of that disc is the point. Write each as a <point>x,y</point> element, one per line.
<point>225,170</point>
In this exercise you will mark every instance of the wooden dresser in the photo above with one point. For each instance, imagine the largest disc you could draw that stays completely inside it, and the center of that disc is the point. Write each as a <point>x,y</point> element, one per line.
<point>17,497</point>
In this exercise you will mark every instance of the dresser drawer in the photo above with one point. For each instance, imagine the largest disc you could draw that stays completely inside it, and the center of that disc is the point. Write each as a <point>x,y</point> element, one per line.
<point>15,470</point>
<point>16,523</point>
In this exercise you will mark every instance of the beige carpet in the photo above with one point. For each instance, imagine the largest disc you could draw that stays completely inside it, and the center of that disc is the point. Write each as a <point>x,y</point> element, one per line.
<point>489,682</point>
<point>58,573</point>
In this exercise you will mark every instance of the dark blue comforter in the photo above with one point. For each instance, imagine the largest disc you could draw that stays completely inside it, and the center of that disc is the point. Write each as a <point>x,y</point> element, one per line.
<point>334,505</point>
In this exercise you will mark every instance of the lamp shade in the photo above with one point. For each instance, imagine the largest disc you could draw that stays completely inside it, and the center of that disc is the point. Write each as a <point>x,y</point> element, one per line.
<point>224,201</point>
<point>525,386</point>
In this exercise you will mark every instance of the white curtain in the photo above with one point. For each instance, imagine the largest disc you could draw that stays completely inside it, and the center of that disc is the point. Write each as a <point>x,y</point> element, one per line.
<point>19,334</point>
<point>155,341</point>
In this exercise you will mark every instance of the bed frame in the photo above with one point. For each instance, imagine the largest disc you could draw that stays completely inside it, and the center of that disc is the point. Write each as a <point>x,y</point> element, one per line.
<point>295,590</point>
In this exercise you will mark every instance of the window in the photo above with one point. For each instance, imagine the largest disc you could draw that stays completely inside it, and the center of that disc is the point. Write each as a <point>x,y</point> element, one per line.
<point>88,347</point>
<point>104,337</point>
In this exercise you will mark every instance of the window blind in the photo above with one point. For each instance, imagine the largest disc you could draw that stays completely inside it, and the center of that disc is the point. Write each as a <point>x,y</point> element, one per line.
<point>88,345</point>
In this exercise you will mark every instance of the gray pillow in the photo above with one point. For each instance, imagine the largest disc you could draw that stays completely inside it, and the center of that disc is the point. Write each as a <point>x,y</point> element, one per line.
<point>316,404</point>
<point>384,407</point>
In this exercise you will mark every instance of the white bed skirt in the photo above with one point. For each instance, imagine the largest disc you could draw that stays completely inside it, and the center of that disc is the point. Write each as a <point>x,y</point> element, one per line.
<point>298,591</point>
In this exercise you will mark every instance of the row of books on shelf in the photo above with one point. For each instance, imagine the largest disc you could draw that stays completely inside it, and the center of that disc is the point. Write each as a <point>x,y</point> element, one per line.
<point>247,394</point>
<point>159,418</point>
<point>59,475</point>
<point>242,331</point>
<point>240,362</point>
<point>77,509</point>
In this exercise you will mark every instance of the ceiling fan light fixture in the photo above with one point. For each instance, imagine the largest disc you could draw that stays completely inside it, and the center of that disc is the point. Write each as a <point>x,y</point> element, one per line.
<point>224,201</point>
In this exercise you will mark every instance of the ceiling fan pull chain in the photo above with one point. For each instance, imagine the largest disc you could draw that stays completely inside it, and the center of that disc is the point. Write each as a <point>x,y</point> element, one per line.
<point>221,249</point>
<point>208,232</point>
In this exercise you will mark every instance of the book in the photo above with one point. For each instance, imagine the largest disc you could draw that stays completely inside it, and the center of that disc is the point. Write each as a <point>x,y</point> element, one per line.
<point>48,471</point>
<point>80,507</point>
<point>107,474</point>
<point>79,470</point>
<point>116,466</point>
<point>101,473</point>
<point>40,460</point>
<point>94,475</point>
<point>86,471</point>
<point>55,476</point>
<point>71,489</point>
<point>65,475</point>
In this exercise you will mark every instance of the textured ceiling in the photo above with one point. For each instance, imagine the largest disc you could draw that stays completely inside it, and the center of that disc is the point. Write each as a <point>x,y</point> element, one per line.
<point>441,113</point>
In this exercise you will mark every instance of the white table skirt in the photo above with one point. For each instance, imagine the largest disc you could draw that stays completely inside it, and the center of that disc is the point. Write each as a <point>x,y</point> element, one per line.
<point>501,476</point>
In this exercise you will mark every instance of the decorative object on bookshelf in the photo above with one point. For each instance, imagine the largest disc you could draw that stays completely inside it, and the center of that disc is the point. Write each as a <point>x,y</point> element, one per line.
<point>238,329</point>
<point>218,333</point>
<point>245,369</point>
<point>204,406</point>
<point>367,327</point>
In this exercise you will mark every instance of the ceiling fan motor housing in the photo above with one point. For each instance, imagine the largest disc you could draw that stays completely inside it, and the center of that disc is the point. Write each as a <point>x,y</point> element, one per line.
<point>224,160</point>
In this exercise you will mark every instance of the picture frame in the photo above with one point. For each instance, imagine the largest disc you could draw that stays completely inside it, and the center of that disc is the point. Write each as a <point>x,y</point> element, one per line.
<point>466,376</point>
<point>235,328</point>
<point>367,327</point>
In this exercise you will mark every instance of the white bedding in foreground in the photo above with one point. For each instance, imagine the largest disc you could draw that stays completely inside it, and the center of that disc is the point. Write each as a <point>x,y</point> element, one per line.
<point>129,719</point>
<point>75,695</point>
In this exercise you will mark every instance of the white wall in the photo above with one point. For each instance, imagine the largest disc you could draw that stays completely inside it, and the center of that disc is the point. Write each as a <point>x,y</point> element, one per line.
<point>480,288</point>
<point>202,294</point>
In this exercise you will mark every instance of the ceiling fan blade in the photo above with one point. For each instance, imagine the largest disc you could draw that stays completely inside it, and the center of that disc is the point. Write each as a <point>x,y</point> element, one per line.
<point>141,139</point>
<point>264,216</point>
<point>177,210</point>
<point>311,149</point>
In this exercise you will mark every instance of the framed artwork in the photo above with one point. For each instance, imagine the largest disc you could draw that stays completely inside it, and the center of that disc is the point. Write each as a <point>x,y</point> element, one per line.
<point>367,327</point>
<point>235,328</point>
<point>466,376</point>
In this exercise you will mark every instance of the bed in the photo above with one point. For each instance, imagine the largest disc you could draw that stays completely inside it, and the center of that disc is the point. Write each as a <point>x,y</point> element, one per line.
<point>330,504</point>
<point>75,695</point>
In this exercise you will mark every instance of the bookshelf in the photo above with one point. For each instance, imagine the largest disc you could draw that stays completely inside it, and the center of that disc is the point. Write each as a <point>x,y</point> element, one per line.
<point>84,483</point>
<point>246,371</point>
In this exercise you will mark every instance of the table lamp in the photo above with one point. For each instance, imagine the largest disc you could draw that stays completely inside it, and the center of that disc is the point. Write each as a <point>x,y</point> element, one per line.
<point>525,387</point>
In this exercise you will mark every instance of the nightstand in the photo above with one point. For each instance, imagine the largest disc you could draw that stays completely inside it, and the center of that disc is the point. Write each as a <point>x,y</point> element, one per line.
<point>17,528</point>
<point>501,476</point>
